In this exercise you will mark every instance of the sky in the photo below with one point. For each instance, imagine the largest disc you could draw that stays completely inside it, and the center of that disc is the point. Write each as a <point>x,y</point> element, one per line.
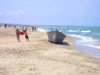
<point>50,12</point>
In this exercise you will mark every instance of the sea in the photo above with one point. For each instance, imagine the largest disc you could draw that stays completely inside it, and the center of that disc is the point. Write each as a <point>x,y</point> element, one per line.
<point>86,38</point>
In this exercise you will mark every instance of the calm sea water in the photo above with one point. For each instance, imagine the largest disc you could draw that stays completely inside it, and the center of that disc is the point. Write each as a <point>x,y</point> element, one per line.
<point>86,38</point>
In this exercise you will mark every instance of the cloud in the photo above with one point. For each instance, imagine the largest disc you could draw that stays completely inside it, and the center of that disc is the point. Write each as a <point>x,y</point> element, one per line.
<point>15,12</point>
<point>12,13</point>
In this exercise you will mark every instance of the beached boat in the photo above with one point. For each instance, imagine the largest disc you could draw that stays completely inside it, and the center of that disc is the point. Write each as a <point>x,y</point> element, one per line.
<point>55,36</point>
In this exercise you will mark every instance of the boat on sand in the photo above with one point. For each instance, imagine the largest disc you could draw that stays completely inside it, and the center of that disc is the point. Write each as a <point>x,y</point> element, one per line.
<point>55,36</point>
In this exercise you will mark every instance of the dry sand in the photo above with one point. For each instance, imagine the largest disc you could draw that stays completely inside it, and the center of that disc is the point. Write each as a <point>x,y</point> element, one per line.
<point>40,57</point>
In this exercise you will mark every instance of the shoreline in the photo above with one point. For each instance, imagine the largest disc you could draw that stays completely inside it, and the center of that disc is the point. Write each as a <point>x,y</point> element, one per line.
<point>94,51</point>
<point>87,49</point>
<point>40,57</point>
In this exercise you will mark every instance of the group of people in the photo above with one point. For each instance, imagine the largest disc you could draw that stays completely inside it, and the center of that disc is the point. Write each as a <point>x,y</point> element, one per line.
<point>23,32</point>
<point>33,28</point>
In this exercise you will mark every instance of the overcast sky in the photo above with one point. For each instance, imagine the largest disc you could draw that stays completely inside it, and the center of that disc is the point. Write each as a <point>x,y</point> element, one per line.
<point>63,12</point>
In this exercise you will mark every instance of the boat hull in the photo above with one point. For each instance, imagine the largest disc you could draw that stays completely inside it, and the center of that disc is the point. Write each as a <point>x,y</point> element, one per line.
<point>55,36</point>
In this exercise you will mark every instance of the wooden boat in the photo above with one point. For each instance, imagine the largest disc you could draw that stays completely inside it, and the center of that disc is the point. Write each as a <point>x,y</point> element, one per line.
<point>55,36</point>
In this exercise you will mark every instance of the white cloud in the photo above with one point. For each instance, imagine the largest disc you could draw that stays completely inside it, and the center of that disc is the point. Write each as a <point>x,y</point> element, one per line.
<point>22,13</point>
<point>15,13</point>
<point>12,13</point>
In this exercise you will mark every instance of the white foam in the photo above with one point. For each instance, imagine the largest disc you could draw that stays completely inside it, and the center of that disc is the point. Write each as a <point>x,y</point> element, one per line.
<point>84,39</point>
<point>94,46</point>
<point>83,31</point>
<point>86,31</point>
<point>41,30</point>
<point>87,41</point>
<point>73,30</point>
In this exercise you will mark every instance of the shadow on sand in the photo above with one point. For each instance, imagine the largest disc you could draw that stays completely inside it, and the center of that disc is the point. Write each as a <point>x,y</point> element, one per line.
<point>63,43</point>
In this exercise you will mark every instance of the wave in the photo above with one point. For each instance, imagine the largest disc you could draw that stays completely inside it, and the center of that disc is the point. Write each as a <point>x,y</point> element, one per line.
<point>86,41</point>
<point>41,30</point>
<point>83,31</point>
<point>86,31</point>
<point>73,30</point>
<point>94,46</point>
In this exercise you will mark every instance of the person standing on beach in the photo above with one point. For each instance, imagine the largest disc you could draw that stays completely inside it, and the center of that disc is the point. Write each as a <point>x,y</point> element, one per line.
<point>18,35</point>
<point>26,35</point>
<point>5,25</point>
<point>26,29</point>
<point>15,27</point>
<point>33,28</point>
<point>23,29</point>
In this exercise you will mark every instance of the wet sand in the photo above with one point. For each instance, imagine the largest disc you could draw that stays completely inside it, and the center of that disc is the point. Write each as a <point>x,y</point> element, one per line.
<point>40,57</point>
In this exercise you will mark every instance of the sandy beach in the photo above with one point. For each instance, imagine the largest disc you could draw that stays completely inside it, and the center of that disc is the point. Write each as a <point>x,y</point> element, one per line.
<point>40,57</point>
